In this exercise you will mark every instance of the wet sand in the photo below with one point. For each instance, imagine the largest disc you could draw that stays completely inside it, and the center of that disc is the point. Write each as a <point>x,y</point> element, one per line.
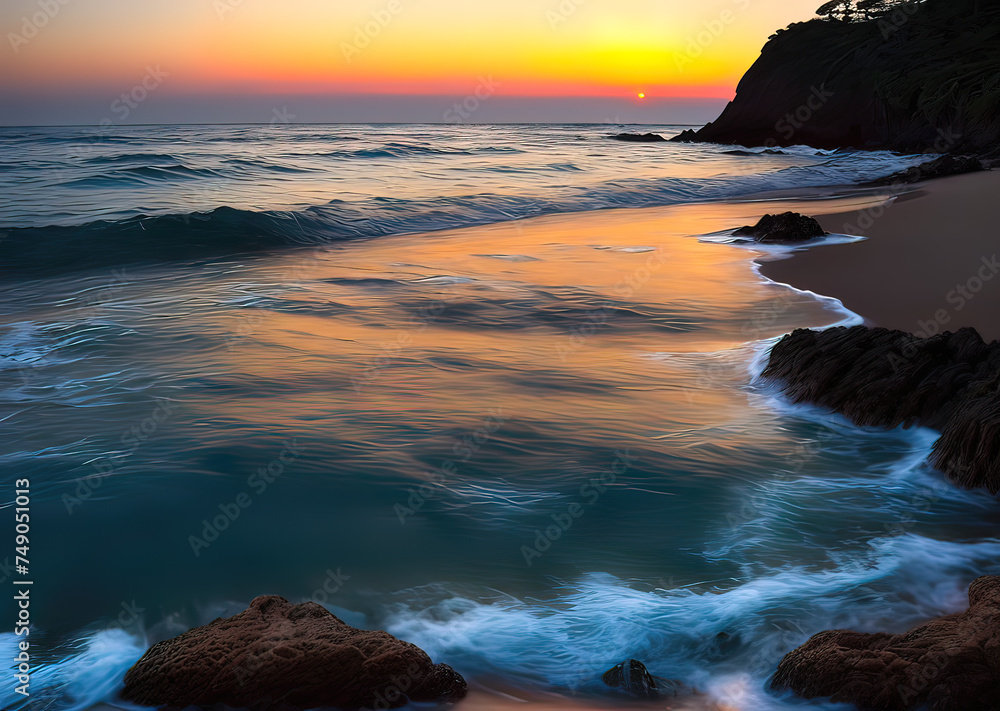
<point>930,262</point>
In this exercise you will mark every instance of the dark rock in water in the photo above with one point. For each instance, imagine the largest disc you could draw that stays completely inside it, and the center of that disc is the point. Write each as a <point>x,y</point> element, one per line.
<point>765,152</point>
<point>948,664</point>
<point>275,655</point>
<point>937,168</point>
<point>688,135</point>
<point>882,378</point>
<point>779,229</point>
<point>632,677</point>
<point>921,77</point>
<point>640,137</point>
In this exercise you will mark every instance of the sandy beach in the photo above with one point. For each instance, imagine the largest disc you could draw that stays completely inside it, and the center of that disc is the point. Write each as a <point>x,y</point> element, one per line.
<point>929,263</point>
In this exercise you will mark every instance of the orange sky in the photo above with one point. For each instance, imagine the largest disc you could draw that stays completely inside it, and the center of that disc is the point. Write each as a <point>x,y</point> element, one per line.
<point>663,48</point>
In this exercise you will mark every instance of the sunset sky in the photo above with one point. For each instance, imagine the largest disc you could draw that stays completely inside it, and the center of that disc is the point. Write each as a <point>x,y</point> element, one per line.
<point>66,61</point>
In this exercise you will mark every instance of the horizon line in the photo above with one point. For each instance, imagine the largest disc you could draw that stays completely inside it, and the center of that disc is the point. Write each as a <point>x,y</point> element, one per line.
<point>349,123</point>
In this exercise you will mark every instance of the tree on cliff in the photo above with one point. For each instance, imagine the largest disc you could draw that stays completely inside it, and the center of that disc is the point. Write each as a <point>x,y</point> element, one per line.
<point>837,10</point>
<point>873,7</point>
<point>849,10</point>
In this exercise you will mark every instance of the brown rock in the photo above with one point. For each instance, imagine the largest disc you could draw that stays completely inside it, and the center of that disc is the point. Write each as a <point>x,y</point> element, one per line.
<point>275,655</point>
<point>950,664</point>
<point>882,378</point>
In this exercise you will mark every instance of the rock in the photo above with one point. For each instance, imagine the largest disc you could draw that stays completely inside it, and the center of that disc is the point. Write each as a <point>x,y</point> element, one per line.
<point>948,664</point>
<point>783,228</point>
<point>937,168</point>
<point>275,655</point>
<point>916,80</point>
<point>881,378</point>
<point>688,135</point>
<point>632,677</point>
<point>765,152</point>
<point>640,137</point>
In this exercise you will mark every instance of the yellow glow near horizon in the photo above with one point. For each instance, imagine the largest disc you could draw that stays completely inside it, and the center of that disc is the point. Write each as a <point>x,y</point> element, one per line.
<point>522,47</point>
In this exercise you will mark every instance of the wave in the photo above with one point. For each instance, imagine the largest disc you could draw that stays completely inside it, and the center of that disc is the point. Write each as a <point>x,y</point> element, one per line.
<point>135,235</point>
<point>707,638</point>
<point>145,174</point>
<point>145,158</point>
<point>408,150</point>
<point>36,251</point>
<point>722,637</point>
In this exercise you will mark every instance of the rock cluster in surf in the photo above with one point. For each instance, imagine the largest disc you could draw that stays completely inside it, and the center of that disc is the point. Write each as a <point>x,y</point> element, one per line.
<point>639,137</point>
<point>275,655</point>
<point>882,378</point>
<point>948,664</point>
<point>788,227</point>
<point>632,677</point>
<point>938,168</point>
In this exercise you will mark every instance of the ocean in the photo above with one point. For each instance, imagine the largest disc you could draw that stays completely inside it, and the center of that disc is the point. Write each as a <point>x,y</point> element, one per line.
<point>492,389</point>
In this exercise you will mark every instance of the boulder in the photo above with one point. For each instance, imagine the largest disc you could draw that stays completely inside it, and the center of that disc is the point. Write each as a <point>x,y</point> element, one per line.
<point>882,378</point>
<point>938,168</point>
<point>948,664</point>
<point>688,135</point>
<point>788,227</point>
<point>632,677</point>
<point>276,655</point>
<point>639,137</point>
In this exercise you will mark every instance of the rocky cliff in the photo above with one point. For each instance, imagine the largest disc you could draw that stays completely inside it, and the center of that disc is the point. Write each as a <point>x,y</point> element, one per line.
<point>922,76</point>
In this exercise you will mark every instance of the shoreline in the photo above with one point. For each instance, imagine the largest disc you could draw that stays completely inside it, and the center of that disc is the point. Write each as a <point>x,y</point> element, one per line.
<point>928,264</point>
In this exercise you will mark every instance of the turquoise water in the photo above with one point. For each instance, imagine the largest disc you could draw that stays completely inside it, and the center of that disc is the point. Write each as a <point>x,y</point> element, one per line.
<point>238,361</point>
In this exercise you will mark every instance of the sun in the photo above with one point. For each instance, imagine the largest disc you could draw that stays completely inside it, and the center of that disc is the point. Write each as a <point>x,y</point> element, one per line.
<point>641,95</point>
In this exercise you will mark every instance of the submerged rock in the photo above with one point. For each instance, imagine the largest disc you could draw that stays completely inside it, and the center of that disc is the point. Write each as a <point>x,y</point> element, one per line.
<point>640,137</point>
<point>783,228</point>
<point>938,168</point>
<point>275,655</point>
<point>632,677</point>
<point>882,378</point>
<point>948,664</point>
